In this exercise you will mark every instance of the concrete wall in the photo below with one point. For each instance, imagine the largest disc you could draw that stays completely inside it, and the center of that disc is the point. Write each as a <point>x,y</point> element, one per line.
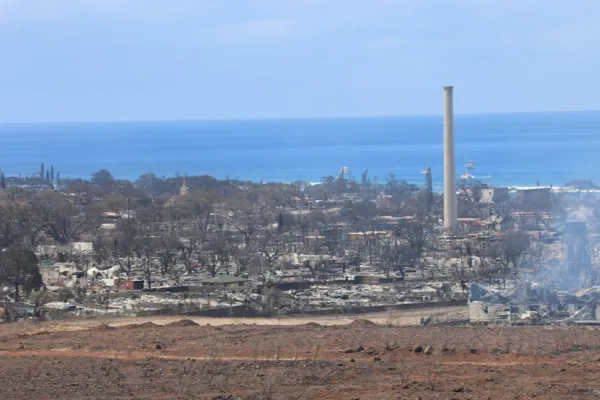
<point>382,308</point>
<point>224,312</point>
<point>243,311</point>
<point>480,312</point>
<point>170,289</point>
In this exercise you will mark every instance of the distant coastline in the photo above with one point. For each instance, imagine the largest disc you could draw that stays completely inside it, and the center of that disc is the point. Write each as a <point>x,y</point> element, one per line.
<point>291,119</point>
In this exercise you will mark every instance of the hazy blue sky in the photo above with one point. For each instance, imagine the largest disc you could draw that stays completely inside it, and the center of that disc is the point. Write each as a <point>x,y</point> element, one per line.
<point>74,60</point>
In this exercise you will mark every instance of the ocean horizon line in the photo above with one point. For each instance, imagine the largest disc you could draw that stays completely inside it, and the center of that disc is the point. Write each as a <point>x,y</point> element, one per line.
<point>291,119</point>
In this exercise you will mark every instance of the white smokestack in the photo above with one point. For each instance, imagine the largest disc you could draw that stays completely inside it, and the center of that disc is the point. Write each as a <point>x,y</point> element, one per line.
<point>449,162</point>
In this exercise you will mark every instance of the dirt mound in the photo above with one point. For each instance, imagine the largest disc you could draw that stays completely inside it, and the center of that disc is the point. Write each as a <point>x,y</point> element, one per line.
<point>147,324</point>
<point>102,327</point>
<point>40,333</point>
<point>182,322</point>
<point>362,323</point>
<point>312,324</point>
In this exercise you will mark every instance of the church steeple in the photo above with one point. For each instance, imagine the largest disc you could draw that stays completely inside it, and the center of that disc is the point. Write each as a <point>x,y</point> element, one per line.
<point>184,189</point>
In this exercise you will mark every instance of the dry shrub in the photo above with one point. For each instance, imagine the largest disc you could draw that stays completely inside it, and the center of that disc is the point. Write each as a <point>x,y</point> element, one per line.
<point>268,383</point>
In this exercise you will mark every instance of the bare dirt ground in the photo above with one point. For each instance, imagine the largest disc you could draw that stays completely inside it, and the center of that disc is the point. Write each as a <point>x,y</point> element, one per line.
<point>361,360</point>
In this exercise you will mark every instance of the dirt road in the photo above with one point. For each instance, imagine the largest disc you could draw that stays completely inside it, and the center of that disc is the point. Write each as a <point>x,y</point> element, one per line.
<point>393,318</point>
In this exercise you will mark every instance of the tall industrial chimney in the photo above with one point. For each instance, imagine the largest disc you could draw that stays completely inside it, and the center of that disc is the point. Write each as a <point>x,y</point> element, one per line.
<point>449,163</point>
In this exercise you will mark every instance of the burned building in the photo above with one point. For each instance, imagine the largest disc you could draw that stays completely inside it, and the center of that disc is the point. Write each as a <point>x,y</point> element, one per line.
<point>533,304</point>
<point>538,199</point>
<point>488,305</point>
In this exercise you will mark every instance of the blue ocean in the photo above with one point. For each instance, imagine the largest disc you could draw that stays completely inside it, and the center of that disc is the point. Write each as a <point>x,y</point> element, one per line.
<point>514,149</point>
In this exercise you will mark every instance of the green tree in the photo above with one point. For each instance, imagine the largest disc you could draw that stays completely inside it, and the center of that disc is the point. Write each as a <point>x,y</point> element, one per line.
<point>155,186</point>
<point>103,178</point>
